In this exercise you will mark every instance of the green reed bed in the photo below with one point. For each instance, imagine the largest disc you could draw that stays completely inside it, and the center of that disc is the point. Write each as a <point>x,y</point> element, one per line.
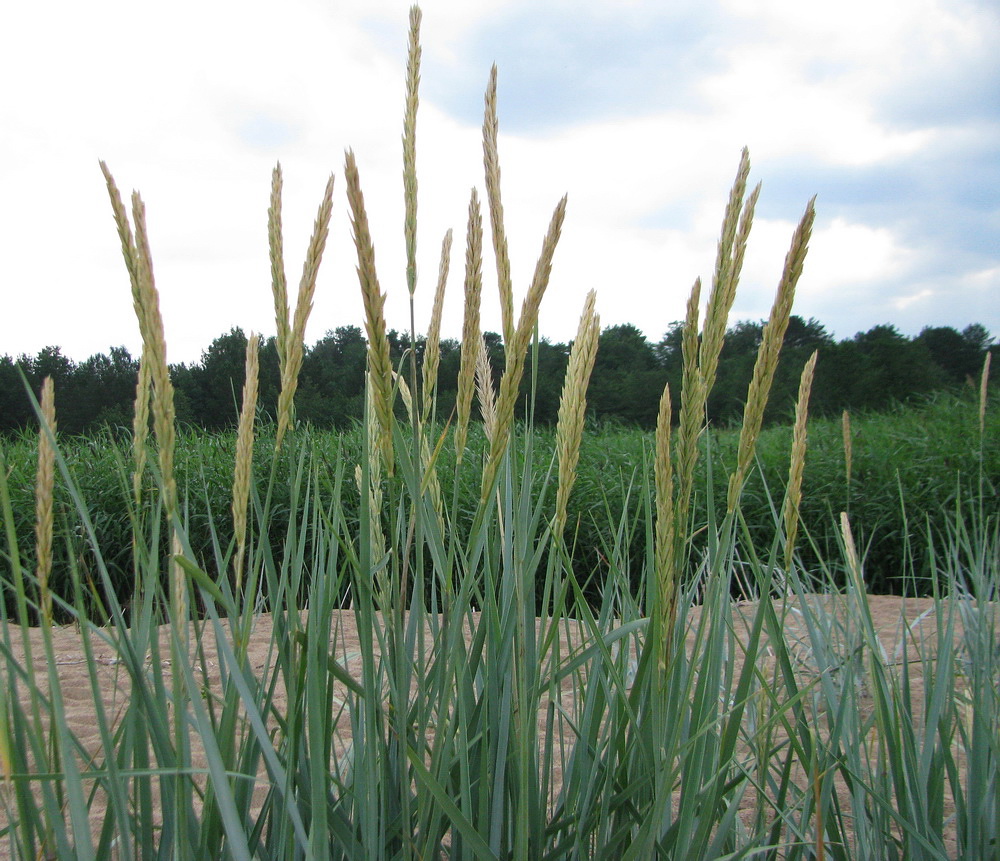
<point>910,468</point>
<point>428,681</point>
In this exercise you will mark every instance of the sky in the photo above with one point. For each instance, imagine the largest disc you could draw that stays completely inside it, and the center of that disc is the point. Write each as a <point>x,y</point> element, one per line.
<point>887,110</point>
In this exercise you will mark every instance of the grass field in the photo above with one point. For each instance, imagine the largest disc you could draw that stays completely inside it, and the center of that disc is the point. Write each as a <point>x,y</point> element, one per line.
<point>912,468</point>
<point>491,642</point>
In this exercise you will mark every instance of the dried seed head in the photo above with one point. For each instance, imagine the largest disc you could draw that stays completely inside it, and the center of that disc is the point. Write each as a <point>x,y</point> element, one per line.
<point>279,285</point>
<point>410,149</point>
<point>303,308</point>
<point>432,349</point>
<point>793,496</point>
<point>470,326</point>
<point>379,361</point>
<point>518,349</point>
<point>768,353</point>
<point>491,161</point>
<point>573,406</point>
<point>485,392</point>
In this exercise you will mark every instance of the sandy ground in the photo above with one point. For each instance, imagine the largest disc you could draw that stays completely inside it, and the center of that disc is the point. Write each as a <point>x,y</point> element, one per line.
<point>890,615</point>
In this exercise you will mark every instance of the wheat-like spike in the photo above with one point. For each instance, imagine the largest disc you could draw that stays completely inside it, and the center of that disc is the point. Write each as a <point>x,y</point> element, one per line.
<point>484,391</point>
<point>44,489</point>
<point>984,381</point>
<point>723,292</point>
<point>692,416</point>
<point>573,406</point>
<point>410,149</point>
<point>151,324</point>
<point>303,308</point>
<point>432,348</point>
<point>742,238</point>
<point>491,161</point>
<point>518,350</point>
<point>140,427</point>
<point>279,284</point>
<point>768,354</point>
<point>379,361</point>
<point>665,544</point>
<point>145,301</point>
<point>793,496</point>
<point>470,326</point>
<point>851,551</point>
<point>127,240</point>
<point>243,471</point>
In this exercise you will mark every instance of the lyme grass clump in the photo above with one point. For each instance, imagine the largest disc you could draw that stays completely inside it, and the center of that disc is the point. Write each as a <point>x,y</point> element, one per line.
<point>387,648</point>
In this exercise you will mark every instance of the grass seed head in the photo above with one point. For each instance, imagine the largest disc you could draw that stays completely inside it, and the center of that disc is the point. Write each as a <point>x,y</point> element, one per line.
<point>379,361</point>
<point>768,354</point>
<point>432,349</point>
<point>410,149</point>
<point>470,326</point>
<point>279,285</point>
<point>793,496</point>
<point>491,162</point>
<point>573,406</point>
<point>485,392</point>
<point>517,351</point>
<point>303,308</point>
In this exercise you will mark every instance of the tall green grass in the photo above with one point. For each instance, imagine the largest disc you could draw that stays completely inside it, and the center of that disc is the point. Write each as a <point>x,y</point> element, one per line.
<point>501,702</point>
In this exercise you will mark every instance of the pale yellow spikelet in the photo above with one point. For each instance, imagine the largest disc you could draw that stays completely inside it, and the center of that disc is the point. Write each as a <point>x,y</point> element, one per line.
<point>793,496</point>
<point>768,354</point>
<point>729,258</point>
<point>984,382</point>
<point>665,543</point>
<point>410,149</point>
<point>470,325</point>
<point>243,471</point>
<point>303,308</point>
<point>279,284</point>
<point>491,161</point>
<point>164,428</point>
<point>145,300</point>
<point>379,361</point>
<point>692,418</point>
<point>518,349</point>
<point>573,406</point>
<point>485,393</point>
<point>140,427</point>
<point>432,348</point>
<point>851,552</point>
<point>44,490</point>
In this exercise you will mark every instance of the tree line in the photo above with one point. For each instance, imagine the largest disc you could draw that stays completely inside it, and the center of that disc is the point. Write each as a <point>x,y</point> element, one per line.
<point>866,372</point>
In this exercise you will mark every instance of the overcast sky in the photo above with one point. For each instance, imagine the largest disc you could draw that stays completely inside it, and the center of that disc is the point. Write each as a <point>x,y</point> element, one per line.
<point>888,110</point>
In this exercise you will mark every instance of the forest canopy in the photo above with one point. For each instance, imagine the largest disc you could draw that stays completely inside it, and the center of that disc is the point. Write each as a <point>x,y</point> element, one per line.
<point>868,372</point>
